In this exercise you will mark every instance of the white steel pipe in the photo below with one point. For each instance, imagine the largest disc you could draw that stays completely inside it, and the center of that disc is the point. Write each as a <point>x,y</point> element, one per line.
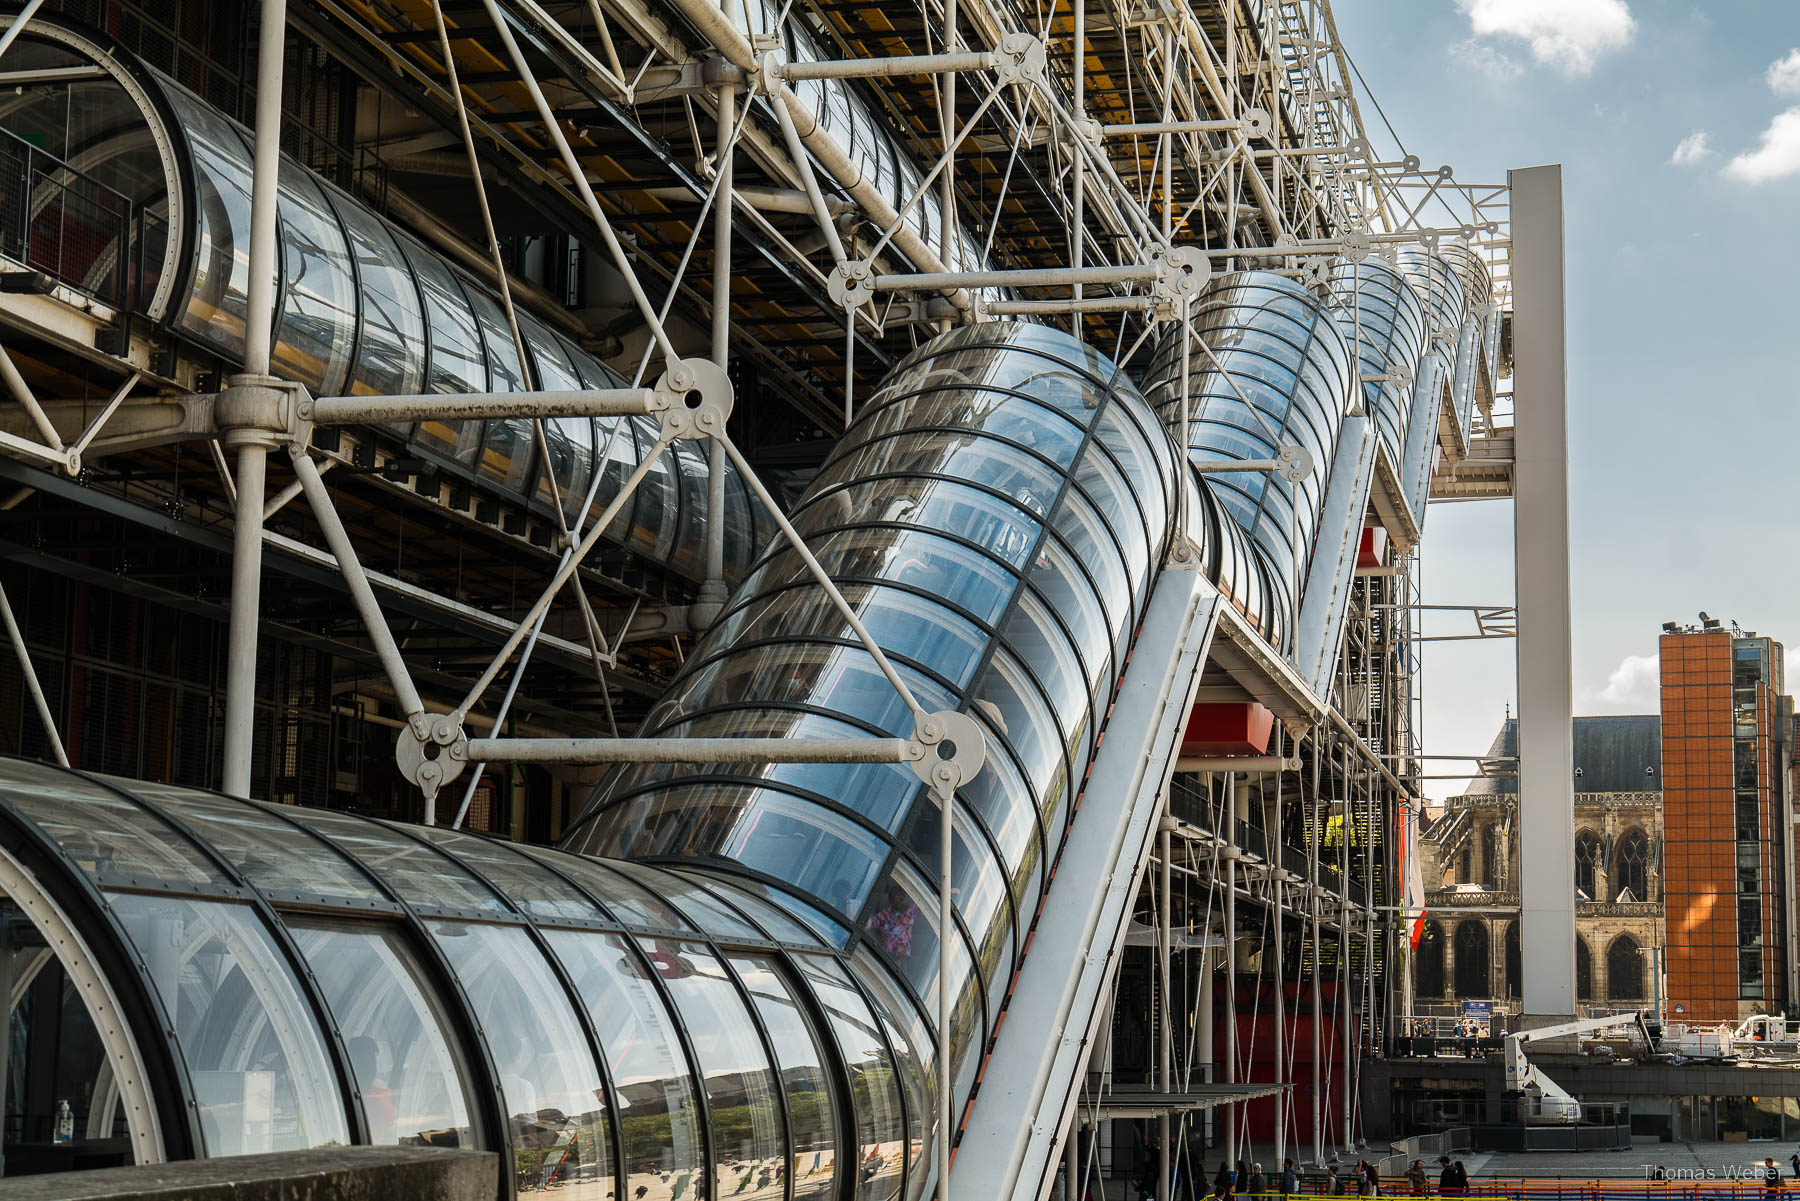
<point>1130,128</point>
<point>246,613</point>
<point>18,24</point>
<point>16,383</point>
<point>31,679</point>
<point>338,539</point>
<point>459,406</point>
<point>1242,764</point>
<point>693,750</point>
<point>1031,277</point>
<point>886,68</point>
<point>734,44</point>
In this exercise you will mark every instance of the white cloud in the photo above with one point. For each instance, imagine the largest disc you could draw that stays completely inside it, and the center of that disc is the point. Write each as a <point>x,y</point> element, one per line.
<point>1635,684</point>
<point>1486,60</point>
<point>1784,74</point>
<point>1570,35</point>
<point>1776,155</point>
<point>1691,149</point>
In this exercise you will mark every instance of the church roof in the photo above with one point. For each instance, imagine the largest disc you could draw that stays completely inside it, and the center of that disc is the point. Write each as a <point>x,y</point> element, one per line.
<point>1612,754</point>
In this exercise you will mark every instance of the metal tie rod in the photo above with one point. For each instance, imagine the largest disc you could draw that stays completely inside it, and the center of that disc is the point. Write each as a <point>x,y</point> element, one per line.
<point>1132,128</point>
<point>690,750</point>
<point>884,68</point>
<point>600,402</point>
<point>1046,277</point>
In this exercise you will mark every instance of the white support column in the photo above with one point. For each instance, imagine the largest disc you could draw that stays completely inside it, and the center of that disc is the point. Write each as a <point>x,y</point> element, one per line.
<point>253,445</point>
<point>1541,566</point>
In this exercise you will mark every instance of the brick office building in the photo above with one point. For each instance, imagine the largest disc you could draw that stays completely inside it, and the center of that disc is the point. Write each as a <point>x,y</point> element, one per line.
<point>1728,875</point>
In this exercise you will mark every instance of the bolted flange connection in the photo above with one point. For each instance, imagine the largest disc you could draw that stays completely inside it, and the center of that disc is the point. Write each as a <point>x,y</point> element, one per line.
<point>1256,123</point>
<point>1020,59</point>
<point>262,408</point>
<point>702,402</point>
<point>1182,271</point>
<point>953,750</point>
<point>851,283</point>
<point>1296,463</point>
<point>431,751</point>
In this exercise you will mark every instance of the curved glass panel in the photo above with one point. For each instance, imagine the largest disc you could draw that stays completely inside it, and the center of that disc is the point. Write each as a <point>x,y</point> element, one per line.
<point>1267,368</point>
<point>542,894</point>
<point>314,331</point>
<point>413,1083</point>
<point>938,498</point>
<point>800,1065</point>
<point>874,1090</point>
<point>417,874</point>
<point>553,1093</point>
<point>262,1078</point>
<point>112,839</point>
<point>218,305</point>
<point>1383,321</point>
<point>278,859</point>
<point>390,346</point>
<point>749,1150</point>
<point>652,1083</point>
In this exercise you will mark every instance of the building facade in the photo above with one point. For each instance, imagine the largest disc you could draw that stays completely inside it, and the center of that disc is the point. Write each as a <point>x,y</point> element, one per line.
<point>1730,866</point>
<point>1469,945</point>
<point>518,390</point>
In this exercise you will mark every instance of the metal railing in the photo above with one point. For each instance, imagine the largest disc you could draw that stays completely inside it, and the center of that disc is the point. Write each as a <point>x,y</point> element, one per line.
<point>65,224</point>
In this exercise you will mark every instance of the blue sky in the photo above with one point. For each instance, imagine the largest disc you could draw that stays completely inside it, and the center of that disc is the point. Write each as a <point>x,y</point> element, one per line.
<point>1683,284</point>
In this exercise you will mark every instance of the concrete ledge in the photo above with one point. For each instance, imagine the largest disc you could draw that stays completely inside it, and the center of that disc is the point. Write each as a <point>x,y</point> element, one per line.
<point>326,1174</point>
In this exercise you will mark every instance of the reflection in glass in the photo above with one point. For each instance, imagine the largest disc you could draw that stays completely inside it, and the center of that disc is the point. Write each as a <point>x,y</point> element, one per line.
<point>748,1148</point>
<point>800,1063</point>
<point>874,1091</point>
<point>554,1094</point>
<point>652,1084</point>
<point>110,838</point>
<point>414,1088</point>
<point>261,1076</point>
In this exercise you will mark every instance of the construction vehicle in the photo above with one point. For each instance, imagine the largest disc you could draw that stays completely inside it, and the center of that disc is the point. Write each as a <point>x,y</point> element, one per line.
<point>1545,1101</point>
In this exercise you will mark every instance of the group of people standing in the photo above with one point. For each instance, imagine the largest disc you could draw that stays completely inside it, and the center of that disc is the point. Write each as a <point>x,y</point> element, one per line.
<point>1248,1182</point>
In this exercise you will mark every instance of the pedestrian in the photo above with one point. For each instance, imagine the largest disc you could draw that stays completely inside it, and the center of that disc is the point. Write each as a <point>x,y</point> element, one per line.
<point>1796,1162</point>
<point>1415,1176</point>
<point>1446,1176</point>
<point>1259,1184</point>
<point>1771,1179</point>
<point>1290,1178</point>
<point>1371,1180</point>
<point>1462,1179</point>
<point>1222,1182</point>
<point>1334,1184</point>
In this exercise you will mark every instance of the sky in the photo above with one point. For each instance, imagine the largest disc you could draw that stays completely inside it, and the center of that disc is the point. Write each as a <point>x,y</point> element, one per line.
<point>1678,129</point>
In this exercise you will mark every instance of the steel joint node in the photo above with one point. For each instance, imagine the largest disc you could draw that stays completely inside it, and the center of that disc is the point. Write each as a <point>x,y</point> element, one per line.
<point>1020,59</point>
<point>850,284</point>
<point>700,399</point>
<point>1182,272</point>
<point>954,749</point>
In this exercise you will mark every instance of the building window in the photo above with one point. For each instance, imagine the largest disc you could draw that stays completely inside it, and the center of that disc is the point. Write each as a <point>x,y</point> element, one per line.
<point>1584,970</point>
<point>1490,865</point>
<point>1587,860</point>
<point>1631,870</point>
<point>1514,978</point>
<point>1472,959</point>
<point>1428,977</point>
<point>1624,970</point>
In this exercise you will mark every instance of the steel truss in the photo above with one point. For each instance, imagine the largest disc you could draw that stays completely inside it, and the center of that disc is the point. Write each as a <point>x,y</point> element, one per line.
<point>1093,162</point>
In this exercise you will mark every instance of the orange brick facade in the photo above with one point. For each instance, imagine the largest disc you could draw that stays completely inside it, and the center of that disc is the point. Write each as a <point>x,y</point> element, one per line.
<point>1724,871</point>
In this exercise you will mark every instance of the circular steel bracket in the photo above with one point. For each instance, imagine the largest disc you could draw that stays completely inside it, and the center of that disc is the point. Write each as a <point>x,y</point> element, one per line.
<point>702,399</point>
<point>1182,271</point>
<point>955,749</point>
<point>850,283</point>
<point>434,758</point>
